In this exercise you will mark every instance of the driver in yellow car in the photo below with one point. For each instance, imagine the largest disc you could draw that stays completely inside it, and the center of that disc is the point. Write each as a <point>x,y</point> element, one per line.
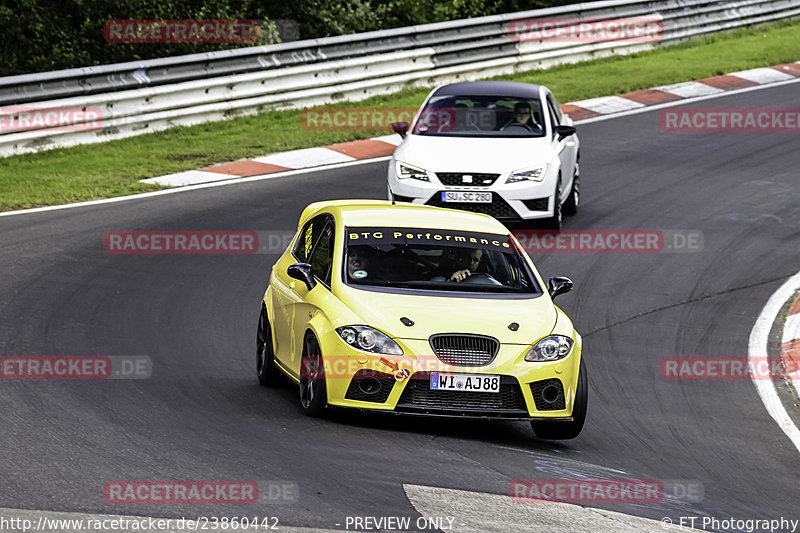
<point>467,263</point>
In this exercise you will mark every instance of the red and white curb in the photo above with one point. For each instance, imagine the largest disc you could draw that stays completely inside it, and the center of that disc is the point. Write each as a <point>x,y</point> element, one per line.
<point>607,105</point>
<point>758,350</point>
<point>790,344</point>
<point>281,162</point>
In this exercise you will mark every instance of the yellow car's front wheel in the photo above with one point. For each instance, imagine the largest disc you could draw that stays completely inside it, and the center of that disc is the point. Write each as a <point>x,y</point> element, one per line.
<point>559,430</point>
<point>313,393</point>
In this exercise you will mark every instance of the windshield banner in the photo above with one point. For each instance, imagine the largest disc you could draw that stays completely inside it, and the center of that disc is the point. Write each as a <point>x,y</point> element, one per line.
<point>420,236</point>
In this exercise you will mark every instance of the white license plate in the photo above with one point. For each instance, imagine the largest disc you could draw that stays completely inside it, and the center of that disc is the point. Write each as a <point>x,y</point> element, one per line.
<point>471,197</point>
<point>465,382</point>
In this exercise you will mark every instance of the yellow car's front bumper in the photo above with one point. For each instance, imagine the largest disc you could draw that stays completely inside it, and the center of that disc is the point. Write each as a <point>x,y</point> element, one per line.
<point>401,384</point>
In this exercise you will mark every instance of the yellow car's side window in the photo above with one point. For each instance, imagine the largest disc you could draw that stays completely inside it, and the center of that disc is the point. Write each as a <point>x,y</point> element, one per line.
<point>321,257</point>
<point>308,240</point>
<point>315,246</point>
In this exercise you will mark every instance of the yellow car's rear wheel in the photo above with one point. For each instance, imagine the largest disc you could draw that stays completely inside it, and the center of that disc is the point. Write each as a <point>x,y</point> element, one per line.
<point>559,430</point>
<point>268,374</point>
<point>313,393</point>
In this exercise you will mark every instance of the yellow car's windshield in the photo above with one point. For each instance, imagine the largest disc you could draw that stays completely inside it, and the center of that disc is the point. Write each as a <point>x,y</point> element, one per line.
<point>445,260</point>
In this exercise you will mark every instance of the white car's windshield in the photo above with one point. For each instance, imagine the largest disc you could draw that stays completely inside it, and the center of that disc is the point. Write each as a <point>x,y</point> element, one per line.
<point>444,260</point>
<point>481,116</point>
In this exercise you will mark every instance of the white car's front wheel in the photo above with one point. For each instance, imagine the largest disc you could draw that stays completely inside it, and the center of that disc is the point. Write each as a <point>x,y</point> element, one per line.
<point>574,198</point>
<point>554,222</point>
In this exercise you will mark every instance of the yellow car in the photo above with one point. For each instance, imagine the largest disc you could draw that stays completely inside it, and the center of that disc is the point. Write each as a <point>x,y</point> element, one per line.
<point>419,310</point>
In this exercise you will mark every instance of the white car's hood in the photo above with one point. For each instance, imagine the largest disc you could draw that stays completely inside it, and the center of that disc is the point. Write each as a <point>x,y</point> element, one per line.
<point>474,154</point>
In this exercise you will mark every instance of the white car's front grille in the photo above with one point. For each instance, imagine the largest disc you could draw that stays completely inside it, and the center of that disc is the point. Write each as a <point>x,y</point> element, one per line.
<point>467,179</point>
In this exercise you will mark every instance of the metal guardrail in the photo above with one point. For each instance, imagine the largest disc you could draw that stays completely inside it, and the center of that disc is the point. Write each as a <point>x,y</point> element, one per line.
<point>146,96</point>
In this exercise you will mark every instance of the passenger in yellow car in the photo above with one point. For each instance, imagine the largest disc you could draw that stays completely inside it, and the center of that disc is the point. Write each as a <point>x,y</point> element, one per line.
<point>357,262</point>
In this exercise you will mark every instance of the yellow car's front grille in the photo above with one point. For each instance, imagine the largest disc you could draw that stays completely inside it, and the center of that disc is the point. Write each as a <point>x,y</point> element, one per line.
<point>465,350</point>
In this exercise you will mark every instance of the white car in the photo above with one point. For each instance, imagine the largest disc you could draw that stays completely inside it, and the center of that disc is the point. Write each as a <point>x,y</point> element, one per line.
<point>496,147</point>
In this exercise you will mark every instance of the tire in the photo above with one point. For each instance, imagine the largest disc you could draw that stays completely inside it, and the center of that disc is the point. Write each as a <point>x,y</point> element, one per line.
<point>574,198</point>
<point>313,393</point>
<point>266,371</point>
<point>548,430</point>
<point>554,222</point>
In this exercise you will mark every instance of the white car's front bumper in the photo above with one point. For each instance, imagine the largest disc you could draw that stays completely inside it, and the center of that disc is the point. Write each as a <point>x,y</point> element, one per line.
<point>511,201</point>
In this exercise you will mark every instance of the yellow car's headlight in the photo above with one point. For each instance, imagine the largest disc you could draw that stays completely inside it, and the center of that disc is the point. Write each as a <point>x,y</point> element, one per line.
<point>550,348</point>
<point>369,339</point>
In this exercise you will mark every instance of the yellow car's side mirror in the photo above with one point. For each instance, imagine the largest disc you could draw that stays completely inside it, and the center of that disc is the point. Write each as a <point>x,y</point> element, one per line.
<point>302,272</point>
<point>559,285</point>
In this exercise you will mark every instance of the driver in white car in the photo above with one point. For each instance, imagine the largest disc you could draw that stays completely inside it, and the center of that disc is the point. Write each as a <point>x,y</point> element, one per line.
<point>522,118</point>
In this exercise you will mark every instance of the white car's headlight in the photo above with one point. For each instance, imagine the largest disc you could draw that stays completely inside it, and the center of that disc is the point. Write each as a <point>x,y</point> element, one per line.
<point>550,348</point>
<point>404,170</point>
<point>369,339</point>
<point>532,174</point>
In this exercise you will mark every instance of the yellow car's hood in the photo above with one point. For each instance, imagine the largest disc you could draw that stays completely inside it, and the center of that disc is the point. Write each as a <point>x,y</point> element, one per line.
<point>433,314</point>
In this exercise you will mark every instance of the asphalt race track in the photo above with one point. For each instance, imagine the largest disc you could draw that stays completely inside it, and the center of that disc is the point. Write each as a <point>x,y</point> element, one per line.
<point>202,415</point>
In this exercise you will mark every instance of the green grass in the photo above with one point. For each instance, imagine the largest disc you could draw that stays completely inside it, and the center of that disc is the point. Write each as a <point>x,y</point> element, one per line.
<point>113,168</point>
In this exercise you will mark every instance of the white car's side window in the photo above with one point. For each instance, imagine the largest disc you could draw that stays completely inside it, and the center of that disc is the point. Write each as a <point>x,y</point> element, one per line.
<point>556,108</point>
<point>554,120</point>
